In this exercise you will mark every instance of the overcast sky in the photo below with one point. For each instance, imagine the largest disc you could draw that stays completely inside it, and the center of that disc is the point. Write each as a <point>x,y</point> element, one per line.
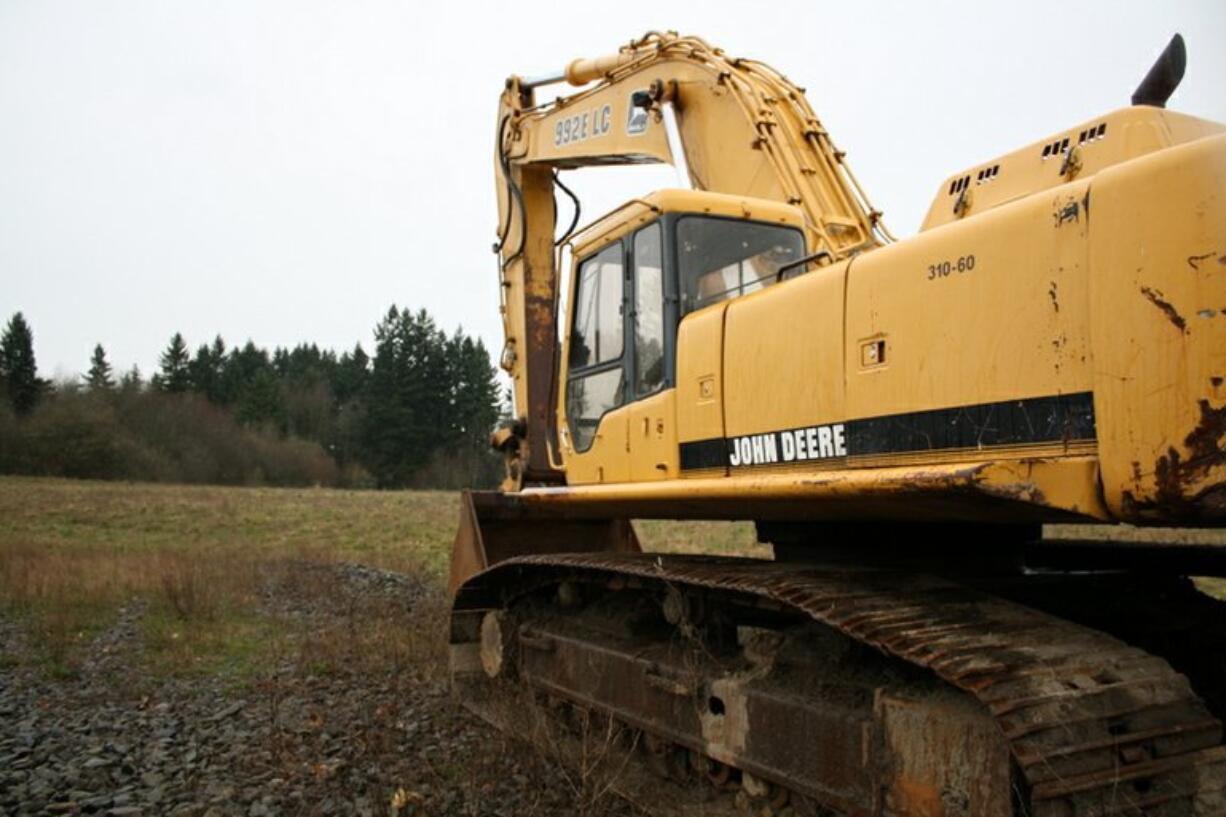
<point>285,171</point>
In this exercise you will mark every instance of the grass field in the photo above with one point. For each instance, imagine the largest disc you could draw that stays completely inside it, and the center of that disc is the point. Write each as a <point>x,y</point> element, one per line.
<point>72,553</point>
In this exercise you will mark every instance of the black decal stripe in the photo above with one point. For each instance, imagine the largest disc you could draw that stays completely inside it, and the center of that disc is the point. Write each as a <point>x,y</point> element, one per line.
<point>1013,422</point>
<point>1066,417</point>
<point>704,454</point>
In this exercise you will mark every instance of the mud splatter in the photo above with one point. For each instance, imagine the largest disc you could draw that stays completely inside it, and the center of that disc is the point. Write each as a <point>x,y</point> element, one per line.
<point>1194,260</point>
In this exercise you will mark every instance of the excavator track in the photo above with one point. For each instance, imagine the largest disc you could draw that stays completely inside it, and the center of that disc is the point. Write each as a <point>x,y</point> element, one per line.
<point>1086,725</point>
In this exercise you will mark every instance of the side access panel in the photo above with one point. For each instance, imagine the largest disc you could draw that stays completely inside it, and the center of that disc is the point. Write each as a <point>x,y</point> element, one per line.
<point>973,336</point>
<point>700,393</point>
<point>784,355</point>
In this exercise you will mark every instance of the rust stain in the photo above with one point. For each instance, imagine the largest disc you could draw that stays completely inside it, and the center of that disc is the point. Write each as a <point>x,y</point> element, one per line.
<point>1155,298</point>
<point>1204,446</point>
<point>1205,440</point>
<point>1069,212</point>
<point>910,796</point>
<point>1194,260</point>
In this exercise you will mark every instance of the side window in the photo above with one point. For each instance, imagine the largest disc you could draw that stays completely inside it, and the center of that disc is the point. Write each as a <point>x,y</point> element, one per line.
<point>723,258</point>
<point>587,400</point>
<point>597,334</point>
<point>596,382</point>
<point>648,310</point>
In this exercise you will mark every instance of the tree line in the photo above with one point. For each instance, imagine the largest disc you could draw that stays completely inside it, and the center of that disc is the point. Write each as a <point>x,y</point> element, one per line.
<point>416,413</point>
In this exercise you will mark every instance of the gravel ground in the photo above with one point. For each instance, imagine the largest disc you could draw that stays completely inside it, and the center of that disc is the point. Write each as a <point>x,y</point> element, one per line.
<point>349,741</point>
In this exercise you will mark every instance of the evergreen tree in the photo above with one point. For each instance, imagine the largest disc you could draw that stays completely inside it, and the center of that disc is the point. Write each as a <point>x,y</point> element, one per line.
<point>350,375</point>
<point>281,361</point>
<point>18,371</point>
<point>240,369</point>
<point>99,376</point>
<point>474,401</point>
<point>261,402</point>
<point>173,376</point>
<point>407,407</point>
<point>349,380</point>
<point>429,400</point>
<point>477,396</point>
<point>205,370</point>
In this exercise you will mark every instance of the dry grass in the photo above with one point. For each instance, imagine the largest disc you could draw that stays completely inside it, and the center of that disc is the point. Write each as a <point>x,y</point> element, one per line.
<point>1129,533</point>
<point>72,553</point>
<point>723,538</point>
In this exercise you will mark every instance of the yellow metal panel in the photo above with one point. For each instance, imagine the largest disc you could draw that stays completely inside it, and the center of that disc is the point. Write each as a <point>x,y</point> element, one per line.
<point>700,376</point>
<point>1015,491</point>
<point>653,437</point>
<point>784,355</point>
<point>1158,280</point>
<point>591,125</point>
<point>979,311</point>
<point>608,458</point>
<point>1101,142</point>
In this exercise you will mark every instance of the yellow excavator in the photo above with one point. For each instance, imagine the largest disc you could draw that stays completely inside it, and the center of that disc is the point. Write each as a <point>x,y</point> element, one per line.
<point>899,419</point>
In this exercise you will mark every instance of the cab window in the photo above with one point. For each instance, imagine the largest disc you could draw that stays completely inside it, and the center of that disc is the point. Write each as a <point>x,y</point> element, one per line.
<point>596,377</point>
<point>723,258</point>
<point>588,398</point>
<point>648,310</point>
<point>597,335</point>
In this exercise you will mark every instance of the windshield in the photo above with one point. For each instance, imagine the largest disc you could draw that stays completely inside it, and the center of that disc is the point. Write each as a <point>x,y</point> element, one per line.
<point>724,258</point>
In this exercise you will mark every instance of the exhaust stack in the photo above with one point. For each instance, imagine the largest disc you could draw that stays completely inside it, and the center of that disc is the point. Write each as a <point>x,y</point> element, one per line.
<point>1164,77</point>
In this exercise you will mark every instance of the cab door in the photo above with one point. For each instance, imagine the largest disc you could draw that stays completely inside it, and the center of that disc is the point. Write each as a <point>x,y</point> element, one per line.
<point>595,423</point>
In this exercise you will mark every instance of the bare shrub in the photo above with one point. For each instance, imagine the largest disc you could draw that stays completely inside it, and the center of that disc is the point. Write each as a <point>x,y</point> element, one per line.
<point>155,437</point>
<point>457,468</point>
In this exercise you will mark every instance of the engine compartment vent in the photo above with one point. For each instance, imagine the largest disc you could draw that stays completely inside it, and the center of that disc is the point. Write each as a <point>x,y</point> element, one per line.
<point>1061,146</point>
<point>1056,148</point>
<point>1093,134</point>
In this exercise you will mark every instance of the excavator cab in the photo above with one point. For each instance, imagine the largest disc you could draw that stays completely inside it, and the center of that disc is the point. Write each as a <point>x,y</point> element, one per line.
<point>638,273</point>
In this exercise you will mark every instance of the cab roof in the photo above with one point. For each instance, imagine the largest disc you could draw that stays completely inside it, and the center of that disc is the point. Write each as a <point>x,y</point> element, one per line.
<point>637,212</point>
